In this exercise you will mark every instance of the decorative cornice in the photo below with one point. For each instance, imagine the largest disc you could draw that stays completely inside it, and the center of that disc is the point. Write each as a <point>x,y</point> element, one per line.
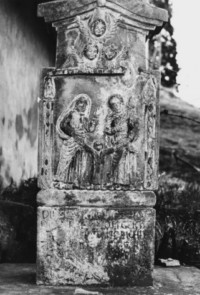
<point>134,13</point>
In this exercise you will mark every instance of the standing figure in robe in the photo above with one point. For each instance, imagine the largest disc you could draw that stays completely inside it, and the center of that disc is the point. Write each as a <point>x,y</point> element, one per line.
<point>120,131</point>
<point>76,155</point>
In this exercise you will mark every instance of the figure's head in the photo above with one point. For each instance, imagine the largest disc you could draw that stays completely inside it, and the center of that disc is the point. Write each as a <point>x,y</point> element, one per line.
<point>81,104</point>
<point>98,27</point>
<point>48,81</point>
<point>115,103</point>
<point>110,52</point>
<point>91,51</point>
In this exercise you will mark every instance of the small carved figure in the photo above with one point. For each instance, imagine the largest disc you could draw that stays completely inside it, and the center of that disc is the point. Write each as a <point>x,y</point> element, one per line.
<point>97,30</point>
<point>98,27</point>
<point>49,88</point>
<point>91,51</point>
<point>72,127</point>
<point>110,52</point>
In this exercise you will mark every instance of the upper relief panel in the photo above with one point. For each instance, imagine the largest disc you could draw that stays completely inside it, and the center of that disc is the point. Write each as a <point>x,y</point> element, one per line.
<point>90,44</point>
<point>100,36</point>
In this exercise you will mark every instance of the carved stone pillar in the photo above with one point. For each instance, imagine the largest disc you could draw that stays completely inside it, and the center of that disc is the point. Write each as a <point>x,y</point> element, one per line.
<point>98,145</point>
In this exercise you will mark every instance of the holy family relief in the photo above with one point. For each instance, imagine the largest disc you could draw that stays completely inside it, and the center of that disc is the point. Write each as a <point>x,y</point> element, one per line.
<point>99,135</point>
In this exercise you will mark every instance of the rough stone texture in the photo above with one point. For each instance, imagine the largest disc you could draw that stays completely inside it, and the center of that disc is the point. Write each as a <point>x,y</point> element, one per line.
<point>90,246</point>
<point>99,117</point>
<point>115,149</point>
<point>20,279</point>
<point>23,51</point>
<point>54,10</point>
<point>86,198</point>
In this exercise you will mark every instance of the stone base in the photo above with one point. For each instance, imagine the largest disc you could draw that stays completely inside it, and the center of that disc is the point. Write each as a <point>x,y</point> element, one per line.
<point>101,246</point>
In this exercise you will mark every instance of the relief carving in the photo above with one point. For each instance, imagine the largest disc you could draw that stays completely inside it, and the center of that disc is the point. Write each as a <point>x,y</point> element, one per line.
<point>73,126</point>
<point>99,147</point>
<point>90,161</point>
<point>98,27</point>
<point>91,51</point>
<point>93,48</point>
<point>49,88</point>
<point>149,96</point>
<point>49,94</point>
<point>121,130</point>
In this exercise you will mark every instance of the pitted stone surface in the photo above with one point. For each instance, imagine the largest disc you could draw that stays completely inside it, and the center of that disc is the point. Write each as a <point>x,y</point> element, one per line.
<point>93,246</point>
<point>55,10</point>
<point>98,145</point>
<point>99,132</point>
<point>114,199</point>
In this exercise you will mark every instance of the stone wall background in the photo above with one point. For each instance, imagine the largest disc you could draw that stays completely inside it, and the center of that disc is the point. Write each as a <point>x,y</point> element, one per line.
<point>27,45</point>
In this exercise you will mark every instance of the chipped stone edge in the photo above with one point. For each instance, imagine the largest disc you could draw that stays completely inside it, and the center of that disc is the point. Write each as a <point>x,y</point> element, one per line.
<point>84,198</point>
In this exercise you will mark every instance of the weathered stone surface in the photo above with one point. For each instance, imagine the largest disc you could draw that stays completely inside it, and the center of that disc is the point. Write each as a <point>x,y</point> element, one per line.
<point>90,246</point>
<point>54,197</point>
<point>55,10</point>
<point>116,146</point>
<point>98,147</point>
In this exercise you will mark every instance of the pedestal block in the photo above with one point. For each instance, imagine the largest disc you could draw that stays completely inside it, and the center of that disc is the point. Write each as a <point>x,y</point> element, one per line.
<point>99,242</point>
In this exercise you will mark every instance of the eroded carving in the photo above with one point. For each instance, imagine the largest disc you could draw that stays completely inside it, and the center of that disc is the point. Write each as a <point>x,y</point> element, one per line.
<point>121,129</point>
<point>49,93</point>
<point>93,48</point>
<point>49,87</point>
<point>149,96</point>
<point>110,52</point>
<point>85,246</point>
<point>87,159</point>
<point>101,26</point>
<point>98,27</point>
<point>73,126</point>
<point>91,51</point>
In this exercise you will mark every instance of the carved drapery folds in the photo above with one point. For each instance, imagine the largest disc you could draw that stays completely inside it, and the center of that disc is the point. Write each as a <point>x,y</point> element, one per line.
<point>100,145</point>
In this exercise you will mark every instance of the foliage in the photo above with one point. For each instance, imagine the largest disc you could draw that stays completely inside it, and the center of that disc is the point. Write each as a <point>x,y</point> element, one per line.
<point>169,66</point>
<point>25,193</point>
<point>18,222</point>
<point>178,222</point>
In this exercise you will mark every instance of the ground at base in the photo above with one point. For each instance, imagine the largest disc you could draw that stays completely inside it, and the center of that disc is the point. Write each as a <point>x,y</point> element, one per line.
<point>19,279</point>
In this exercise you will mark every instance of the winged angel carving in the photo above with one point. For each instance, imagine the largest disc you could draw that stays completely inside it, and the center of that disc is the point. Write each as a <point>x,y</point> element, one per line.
<point>98,28</point>
<point>92,48</point>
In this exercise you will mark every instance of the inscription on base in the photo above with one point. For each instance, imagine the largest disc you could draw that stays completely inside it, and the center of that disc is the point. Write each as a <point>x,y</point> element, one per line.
<point>94,246</point>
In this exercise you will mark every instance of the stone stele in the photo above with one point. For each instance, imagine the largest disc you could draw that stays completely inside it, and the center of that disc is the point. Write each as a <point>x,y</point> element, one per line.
<point>98,145</point>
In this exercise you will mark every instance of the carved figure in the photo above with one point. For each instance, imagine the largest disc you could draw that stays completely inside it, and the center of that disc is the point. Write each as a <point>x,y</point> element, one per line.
<point>72,127</point>
<point>49,88</point>
<point>120,130</point>
<point>92,47</point>
<point>91,51</point>
<point>110,52</point>
<point>98,28</point>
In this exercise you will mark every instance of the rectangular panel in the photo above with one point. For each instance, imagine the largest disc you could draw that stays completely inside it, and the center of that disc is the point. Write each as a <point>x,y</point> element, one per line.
<point>99,132</point>
<point>91,246</point>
